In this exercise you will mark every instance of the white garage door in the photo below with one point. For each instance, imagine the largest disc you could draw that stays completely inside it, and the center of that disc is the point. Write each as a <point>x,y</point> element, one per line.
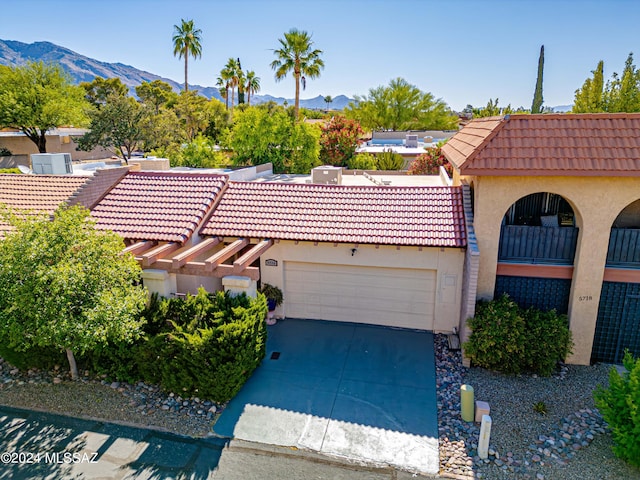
<point>382,296</point>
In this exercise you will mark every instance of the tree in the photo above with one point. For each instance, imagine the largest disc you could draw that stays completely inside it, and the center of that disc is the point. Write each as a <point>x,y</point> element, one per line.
<point>36,98</point>
<point>193,114</point>
<point>619,94</point>
<point>296,55</point>
<point>118,124</point>
<point>536,106</point>
<point>100,88</point>
<point>491,109</point>
<point>401,106</point>
<point>623,92</point>
<point>156,94</point>
<point>186,42</point>
<point>338,141</point>
<point>590,97</point>
<point>328,100</point>
<point>253,85</point>
<point>267,133</point>
<point>66,285</point>
<point>230,75</point>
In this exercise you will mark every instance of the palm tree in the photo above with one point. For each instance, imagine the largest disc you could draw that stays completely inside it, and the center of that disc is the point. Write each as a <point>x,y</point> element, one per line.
<point>233,73</point>
<point>186,42</point>
<point>328,100</point>
<point>253,85</point>
<point>223,82</point>
<point>296,55</point>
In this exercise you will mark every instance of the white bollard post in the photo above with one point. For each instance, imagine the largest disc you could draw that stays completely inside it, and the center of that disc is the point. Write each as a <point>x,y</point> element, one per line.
<point>485,435</point>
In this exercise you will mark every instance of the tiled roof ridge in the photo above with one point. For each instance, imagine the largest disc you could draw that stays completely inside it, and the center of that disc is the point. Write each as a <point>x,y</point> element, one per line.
<point>556,115</point>
<point>280,185</point>
<point>177,174</point>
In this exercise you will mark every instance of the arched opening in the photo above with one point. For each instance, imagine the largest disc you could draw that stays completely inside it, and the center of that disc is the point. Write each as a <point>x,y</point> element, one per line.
<point>538,239</point>
<point>618,324</point>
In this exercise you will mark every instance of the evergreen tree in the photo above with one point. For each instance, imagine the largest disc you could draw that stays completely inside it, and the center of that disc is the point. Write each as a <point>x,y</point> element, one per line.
<point>536,106</point>
<point>590,97</point>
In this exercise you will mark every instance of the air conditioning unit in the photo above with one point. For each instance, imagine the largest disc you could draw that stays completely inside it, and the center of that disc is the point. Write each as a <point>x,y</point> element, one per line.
<point>51,163</point>
<point>327,174</point>
<point>411,141</point>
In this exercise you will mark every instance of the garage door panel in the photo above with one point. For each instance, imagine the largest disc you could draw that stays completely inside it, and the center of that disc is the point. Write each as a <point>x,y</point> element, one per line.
<point>382,296</point>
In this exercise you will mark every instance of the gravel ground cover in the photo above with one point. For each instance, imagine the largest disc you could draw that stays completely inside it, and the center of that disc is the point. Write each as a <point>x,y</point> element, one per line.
<point>569,442</point>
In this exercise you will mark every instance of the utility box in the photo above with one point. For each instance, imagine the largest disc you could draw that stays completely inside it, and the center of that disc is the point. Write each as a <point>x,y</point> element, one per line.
<point>51,163</point>
<point>327,175</point>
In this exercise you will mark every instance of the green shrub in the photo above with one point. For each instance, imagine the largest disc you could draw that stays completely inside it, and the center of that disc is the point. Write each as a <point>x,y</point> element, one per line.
<point>548,340</point>
<point>509,339</point>
<point>209,345</point>
<point>497,339</point>
<point>620,407</point>
<point>389,160</point>
<point>36,357</point>
<point>5,152</point>
<point>10,170</point>
<point>362,161</point>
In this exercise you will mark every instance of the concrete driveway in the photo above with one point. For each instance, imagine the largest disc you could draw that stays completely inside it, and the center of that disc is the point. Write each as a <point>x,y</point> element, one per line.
<point>358,392</point>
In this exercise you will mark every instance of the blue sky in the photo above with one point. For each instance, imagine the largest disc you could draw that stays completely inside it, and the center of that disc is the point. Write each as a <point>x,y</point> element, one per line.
<point>463,51</point>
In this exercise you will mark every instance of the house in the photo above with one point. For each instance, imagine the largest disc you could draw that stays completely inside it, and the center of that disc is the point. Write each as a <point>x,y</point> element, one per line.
<point>382,255</point>
<point>59,140</point>
<point>555,207</point>
<point>43,194</point>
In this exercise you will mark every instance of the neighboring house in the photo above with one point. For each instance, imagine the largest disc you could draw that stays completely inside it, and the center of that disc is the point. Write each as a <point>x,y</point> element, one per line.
<point>59,140</point>
<point>556,212</point>
<point>43,194</point>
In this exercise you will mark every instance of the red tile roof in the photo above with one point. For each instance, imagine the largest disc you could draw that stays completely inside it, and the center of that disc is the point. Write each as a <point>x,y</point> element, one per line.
<point>603,144</point>
<point>422,216</point>
<point>163,206</point>
<point>37,193</point>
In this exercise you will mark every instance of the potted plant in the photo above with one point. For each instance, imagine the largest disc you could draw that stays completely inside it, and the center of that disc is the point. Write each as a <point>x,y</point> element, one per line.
<point>274,297</point>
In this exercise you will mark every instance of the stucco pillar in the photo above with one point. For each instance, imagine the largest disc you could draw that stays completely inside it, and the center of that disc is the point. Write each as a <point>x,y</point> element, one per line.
<point>588,273</point>
<point>159,281</point>
<point>236,285</point>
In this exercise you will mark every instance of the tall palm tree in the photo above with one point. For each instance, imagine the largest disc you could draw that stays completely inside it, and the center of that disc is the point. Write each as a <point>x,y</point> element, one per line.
<point>328,100</point>
<point>223,82</point>
<point>186,42</point>
<point>253,85</point>
<point>296,55</point>
<point>233,73</point>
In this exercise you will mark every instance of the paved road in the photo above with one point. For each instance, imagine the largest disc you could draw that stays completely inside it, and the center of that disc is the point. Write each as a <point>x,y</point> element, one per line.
<point>46,446</point>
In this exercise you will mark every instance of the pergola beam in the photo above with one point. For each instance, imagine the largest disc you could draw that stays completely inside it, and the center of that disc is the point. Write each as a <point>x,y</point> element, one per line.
<point>140,247</point>
<point>184,257</point>
<point>216,259</point>
<point>245,260</point>
<point>161,251</point>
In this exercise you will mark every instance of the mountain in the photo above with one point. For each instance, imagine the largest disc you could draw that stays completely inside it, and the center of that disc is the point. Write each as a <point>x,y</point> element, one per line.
<point>562,108</point>
<point>85,69</point>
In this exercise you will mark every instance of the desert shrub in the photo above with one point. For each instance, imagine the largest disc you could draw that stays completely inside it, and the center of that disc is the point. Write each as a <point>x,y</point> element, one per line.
<point>389,160</point>
<point>620,407</point>
<point>5,152</point>
<point>10,170</point>
<point>497,339</point>
<point>362,161</point>
<point>208,346</point>
<point>548,340</point>
<point>509,339</point>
